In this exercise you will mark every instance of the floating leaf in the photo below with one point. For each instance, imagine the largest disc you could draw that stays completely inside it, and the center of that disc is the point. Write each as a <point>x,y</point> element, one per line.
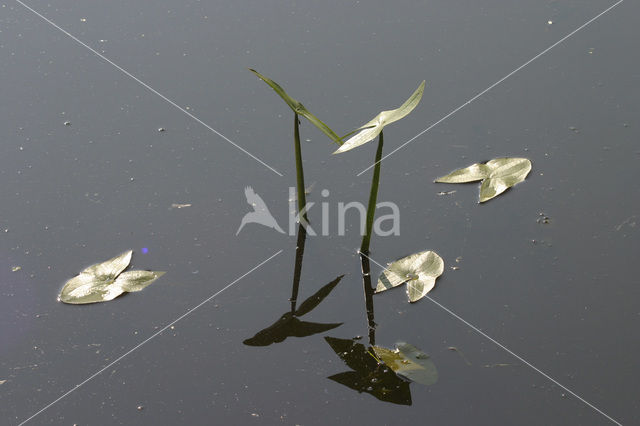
<point>298,108</point>
<point>373,128</point>
<point>409,362</point>
<point>131,281</point>
<point>497,175</point>
<point>472,173</point>
<point>110,269</point>
<point>105,281</point>
<point>418,270</point>
<point>505,173</point>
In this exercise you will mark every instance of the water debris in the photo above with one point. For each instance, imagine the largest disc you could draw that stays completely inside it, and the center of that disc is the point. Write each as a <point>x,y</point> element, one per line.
<point>549,22</point>
<point>180,206</point>
<point>15,268</point>
<point>67,123</point>
<point>307,191</point>
<point>630,222</point>
<point>161,129</point>
<point>543,219</point>
<point>83,19</point>
<point>447,192</point>
<point>454,268</point>
<point>458,259</point>
<point>574,129</point>
<point>140,407</point>
<point>454,349</point>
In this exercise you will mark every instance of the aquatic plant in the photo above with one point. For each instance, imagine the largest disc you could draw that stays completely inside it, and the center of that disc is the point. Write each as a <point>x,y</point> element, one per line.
<point>368,132</point>
<point>299,110</point>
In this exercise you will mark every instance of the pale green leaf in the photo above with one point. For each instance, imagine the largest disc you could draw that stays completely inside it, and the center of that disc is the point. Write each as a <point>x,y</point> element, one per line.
<point>373,128</point>
<point>298,108</point>
<point>111,268</point>
<point>472,173</point>
<point>497,175</point>
<point>409,362</point>
<point>88,288</point>
<point>505,173</point>
<point>419,271</point>
<point>105,281</point>
<point>136,280</point>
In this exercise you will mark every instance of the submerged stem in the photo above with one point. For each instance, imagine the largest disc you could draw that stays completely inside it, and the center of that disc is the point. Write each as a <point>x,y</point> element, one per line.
<point>373,196</point>
<point>302,199</point>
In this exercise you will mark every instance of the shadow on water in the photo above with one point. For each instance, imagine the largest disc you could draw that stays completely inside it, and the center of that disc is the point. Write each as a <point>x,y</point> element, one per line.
<point>288,325</point>
<point>369,374</point>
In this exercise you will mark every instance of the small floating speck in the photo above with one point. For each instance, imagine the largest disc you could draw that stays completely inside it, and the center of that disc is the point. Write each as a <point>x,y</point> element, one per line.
<point>549,22</point>
<point>15,268</point>
<point>83,19</point>
<point>67,123</point>
<point>140,407</point>
<point>574,129</point>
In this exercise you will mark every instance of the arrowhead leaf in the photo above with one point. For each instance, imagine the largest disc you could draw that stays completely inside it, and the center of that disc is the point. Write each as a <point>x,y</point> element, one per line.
<point>298,108</point>
<point>373,128</point>
<point>497,175</point>
<point>419,271</point>
<point>105,281</point>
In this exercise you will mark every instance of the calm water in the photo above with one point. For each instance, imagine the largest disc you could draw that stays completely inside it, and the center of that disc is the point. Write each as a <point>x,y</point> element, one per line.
<point>562,295</point>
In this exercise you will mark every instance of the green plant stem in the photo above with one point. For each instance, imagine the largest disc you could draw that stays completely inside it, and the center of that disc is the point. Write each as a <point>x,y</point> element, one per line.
<point>297,269</point>
<point>373,196</point>
<point>302,199</point>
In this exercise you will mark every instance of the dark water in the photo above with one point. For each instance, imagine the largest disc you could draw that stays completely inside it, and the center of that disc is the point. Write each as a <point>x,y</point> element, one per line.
<point>72,195</point>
